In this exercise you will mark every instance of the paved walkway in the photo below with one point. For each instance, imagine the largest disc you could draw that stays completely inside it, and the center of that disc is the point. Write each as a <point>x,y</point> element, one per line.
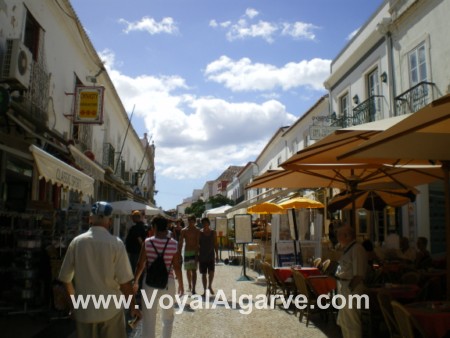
<point>225,322</point>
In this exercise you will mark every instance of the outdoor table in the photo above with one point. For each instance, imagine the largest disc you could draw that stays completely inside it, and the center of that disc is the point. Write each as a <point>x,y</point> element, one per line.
<point>400,292</point>
<point>434,317</point>
<point>322,284</point>
<point>284,273</point>
<point>252,246</point>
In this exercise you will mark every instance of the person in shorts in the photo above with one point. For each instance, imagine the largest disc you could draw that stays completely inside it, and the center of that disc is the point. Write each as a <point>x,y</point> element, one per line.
<point>190,238</point>
<point>208,255</point>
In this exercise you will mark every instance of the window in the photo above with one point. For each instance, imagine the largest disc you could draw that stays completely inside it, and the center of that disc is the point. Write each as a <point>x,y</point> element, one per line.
<point>417,65</point>
<point>373,86</point>
<point>418,73</point>
<point>343,105</point>
<point>373,107</point>
<point>294,146</point>
<point>279,161</point>
<point>32,35</point>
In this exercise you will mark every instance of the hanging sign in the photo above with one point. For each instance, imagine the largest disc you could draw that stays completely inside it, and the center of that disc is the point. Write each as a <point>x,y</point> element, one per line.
<point>88,103</point>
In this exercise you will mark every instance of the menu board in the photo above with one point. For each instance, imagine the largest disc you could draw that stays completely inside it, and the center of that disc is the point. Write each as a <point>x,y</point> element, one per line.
<point>243,228</point>
<point>221,226</point>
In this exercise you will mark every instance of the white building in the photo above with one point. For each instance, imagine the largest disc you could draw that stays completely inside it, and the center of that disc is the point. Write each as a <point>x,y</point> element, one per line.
<point>61,100</point>
<point>397,64</point>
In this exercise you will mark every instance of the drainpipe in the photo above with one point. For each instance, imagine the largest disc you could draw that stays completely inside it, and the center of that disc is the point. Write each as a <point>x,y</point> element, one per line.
<point>384,28</point>
<point>391,76</point>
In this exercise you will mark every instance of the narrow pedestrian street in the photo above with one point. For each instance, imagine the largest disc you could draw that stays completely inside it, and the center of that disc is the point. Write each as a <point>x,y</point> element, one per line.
<point>229,321</point>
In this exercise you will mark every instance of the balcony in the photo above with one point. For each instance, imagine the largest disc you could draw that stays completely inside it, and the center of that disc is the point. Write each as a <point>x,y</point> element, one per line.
<point>367,111</point>
<point>33,103</point>
<point>108,156</point>
<point>414,98</point>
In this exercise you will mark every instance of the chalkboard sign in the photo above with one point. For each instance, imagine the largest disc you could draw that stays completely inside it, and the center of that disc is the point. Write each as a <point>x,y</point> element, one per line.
<point>221,226</point>
<point>243,229</point>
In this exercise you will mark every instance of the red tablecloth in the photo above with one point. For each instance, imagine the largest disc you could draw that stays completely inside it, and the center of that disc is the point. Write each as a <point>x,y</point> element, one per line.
<point>283,273</point>
<point>434,317</point>
<point>307,272</point>
<point>322,285</point>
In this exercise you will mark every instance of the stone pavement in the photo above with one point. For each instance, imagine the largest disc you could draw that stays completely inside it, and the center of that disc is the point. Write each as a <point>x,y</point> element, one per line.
<point>198,321</point>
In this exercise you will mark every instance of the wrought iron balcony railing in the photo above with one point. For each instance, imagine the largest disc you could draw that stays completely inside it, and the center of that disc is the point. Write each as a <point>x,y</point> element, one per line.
<point>367,111</point>
<point>33,103</point>
<point>414,98</point>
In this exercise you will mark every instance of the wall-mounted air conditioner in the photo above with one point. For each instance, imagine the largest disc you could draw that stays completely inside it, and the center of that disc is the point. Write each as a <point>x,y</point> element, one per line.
<point>16,64</point>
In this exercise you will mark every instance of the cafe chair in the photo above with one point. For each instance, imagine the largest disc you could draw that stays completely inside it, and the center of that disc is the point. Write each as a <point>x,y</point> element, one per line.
<point>303,288</point>
<point>332,267</point>
<point>408,326</point>
<point>288,286</point>
<point>317,261</point>
<point>272,286</point>
<point>384,299</point>
<point>325,265</point>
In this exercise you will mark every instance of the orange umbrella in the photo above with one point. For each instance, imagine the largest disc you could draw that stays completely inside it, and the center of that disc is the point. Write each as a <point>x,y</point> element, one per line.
<point>301,203</point>
<point>266,208</point>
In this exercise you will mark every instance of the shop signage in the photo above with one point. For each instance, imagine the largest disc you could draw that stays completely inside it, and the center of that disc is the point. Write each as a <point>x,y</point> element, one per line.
<point>319,132</point>
<point>88,103</point>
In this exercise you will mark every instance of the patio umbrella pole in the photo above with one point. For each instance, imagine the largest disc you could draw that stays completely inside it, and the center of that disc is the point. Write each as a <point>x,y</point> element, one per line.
<point>446,168</point>
<point>295,252</point>
<point>353,185</point>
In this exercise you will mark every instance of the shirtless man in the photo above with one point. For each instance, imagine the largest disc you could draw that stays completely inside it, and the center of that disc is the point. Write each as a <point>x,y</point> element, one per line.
<point>191,236</point>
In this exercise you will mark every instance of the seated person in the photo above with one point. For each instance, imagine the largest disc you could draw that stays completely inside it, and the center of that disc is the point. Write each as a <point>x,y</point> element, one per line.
<point>391,245</point>
<point>372,257</point>
<point>406,252</point>
<point>423,256</point>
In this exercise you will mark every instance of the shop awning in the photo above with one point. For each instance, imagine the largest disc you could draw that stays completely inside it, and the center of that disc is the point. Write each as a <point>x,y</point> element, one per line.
<point>56,171</point>
<point>89,167</point>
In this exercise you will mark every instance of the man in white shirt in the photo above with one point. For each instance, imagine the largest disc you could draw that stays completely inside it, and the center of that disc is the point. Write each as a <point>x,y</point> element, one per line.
<point>350,274</point>
<point>96,264</point>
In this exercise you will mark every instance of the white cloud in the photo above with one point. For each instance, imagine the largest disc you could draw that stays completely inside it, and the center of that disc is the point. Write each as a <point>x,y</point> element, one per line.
<point>244,75</point>
<point>242,30</point>
<point>251,12</point>
<point>193,135</point>
<point>166,25</point>
<point>245,28</point>
<point>299,30</point>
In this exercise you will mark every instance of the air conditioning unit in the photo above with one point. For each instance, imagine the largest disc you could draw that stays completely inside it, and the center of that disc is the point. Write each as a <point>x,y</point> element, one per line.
<point>17,64</point>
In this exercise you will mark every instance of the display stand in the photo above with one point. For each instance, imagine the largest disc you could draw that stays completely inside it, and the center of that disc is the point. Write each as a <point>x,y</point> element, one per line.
<point>221,229</point>
<point>243,235</point>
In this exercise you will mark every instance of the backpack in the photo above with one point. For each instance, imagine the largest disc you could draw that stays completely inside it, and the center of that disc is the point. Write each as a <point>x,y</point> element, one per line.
<point>157,273</point>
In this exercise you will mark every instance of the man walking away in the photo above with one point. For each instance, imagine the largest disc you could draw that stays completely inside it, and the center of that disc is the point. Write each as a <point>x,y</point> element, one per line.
<point>190,237</point>
<point>136,236</point>
<point>208,250</point>
<point>96,265</point>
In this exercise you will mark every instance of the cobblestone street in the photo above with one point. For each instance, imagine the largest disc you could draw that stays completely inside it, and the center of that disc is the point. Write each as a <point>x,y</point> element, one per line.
<point>225,322</point>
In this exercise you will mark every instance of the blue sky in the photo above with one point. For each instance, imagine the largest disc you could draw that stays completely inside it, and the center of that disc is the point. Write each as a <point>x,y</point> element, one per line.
<point>212,80</point>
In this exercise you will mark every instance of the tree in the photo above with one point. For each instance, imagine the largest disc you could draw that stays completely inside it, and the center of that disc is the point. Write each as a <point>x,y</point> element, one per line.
<point>219,200</point>
<point>197,208</point>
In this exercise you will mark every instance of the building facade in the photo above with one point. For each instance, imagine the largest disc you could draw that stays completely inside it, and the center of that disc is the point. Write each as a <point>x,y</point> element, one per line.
<point>65,137</point>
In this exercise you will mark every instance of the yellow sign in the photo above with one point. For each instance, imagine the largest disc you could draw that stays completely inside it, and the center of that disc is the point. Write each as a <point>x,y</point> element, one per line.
<point>88,105</point>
